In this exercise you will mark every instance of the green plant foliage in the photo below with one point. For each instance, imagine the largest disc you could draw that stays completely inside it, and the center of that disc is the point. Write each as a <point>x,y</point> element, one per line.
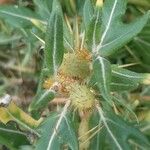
<point>114,34</point>
<point>91,93</point>
<point>19,16</point>
<point>43,8</point>
<point>117,84</point>
<point>67,38</point>
<point>41,99</point>
<point>88,12</point>
<point>7,134</point>
<point>54,42</point>
<point>13,113</point>
<point>69,6</point>
<point>93,30</point>
<point>125,74</point>
<point>54,50</point>
<point>60,132</point>
<point>102,73</point>
<point>141,43</point>
<point>116,133</point>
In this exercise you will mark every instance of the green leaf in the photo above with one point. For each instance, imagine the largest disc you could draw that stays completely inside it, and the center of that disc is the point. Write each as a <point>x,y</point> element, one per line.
<point>54,42</point>
<point>41,100</point>
<point>68,38</point>
<point>67,34</point>
<point>120,134</point>
<point>114,32</point>
<point>56,5</point>
<point>93,30</point>
<point>102,73</point>
<point>142,43</point>
<point>123,86</point>
<point>127,75</point>
<point>42,96</point>
<point>98,141</point>
<point>120,82</point>
<point>117,84</point>
<point>88,12</point>
<point>43,8</point>
<point>19,16</point>
<point>7,134</point>
<point>56,131</point>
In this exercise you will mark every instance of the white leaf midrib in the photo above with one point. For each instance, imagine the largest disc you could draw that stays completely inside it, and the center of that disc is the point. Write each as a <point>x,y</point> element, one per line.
<point>67,42</point>
<point>55,47</point>
<point>45,94</point>
<point>94,33</point>
<point>107,44</point>
<point>62,115</point>
<point>107,26</point>
<point>21,16</point>
<point>121,84</point>
<point>108,129</point>
<point>119,37</point>
<point>103,73</point>
<point>126,75</point>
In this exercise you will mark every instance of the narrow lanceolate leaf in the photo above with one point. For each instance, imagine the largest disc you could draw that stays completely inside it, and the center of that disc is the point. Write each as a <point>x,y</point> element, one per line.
<point>118,84</point>
<point>43,8</point>
<point>7,134</point>
<point>41,100</point>
<point>122,86</point>
<point>93,30</point>
<point>19,16</point>
<point>67,31</point>
<point>57,131</point>
<point>54,42</point>
<point>120,134</point>
<point>102,73</point>
<point>128,76</point>
<point>114,32</point>
<point>68,37</point>
<point>142,43</point>
<point>121,81</point>
<point>13,113</point>
<point>88,12</point>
